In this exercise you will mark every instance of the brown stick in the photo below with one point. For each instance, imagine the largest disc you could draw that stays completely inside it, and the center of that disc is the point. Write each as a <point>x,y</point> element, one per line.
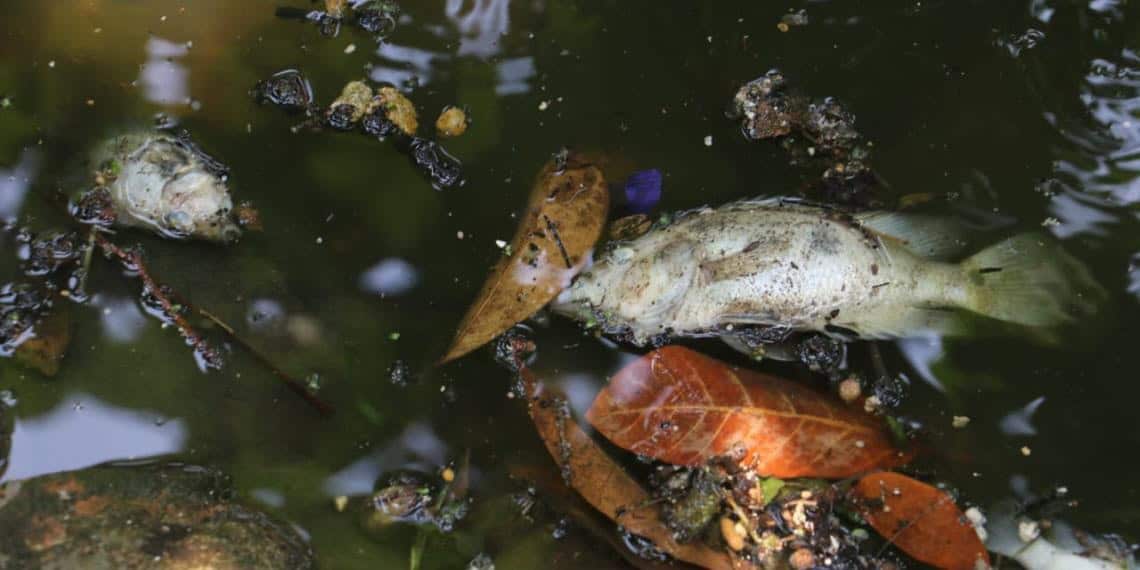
<point>207,356</point>
<point>298,387</point>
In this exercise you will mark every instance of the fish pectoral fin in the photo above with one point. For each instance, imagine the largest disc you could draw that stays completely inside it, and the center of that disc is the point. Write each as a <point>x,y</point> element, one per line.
<point>909,322</point>
<point>782,351</point>
<point>929,237</point>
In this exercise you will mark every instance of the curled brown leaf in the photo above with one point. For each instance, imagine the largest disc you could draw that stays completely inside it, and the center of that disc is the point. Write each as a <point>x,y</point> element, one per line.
<point>603,483</point>
<point>563,220</point>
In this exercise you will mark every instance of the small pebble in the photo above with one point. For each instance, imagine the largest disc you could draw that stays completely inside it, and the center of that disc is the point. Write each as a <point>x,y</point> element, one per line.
<point>349,48</point>
<point>850,390</point>
<point>802,559</point>
<point>1026,451</point>
<point>459,234</point>
<point>542,106</point>
<point>708,140</point>
<point>960,421</point>
<point>782,26</point>
<point>872,404</point>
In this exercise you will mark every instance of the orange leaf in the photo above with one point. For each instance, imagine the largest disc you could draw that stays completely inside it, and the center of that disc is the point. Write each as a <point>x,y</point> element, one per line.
<point>921,520</point>
<point>563,220</point>
<point>605,484</point>
<point>684,408</point>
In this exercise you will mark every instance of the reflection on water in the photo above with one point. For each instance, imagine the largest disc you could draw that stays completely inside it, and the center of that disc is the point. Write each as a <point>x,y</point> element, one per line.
<point>14,184</point>
<point>922,353</point>
<point>165,81</point>
<point>1020,422</point>
<point>391,276</point>
<point>482,24</point>
<point>83,431</point>
<point>417,447</point>
<point>121,318</point>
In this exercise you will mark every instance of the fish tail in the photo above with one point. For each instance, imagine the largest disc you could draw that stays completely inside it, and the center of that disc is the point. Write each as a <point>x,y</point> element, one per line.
<point>1029,280</point>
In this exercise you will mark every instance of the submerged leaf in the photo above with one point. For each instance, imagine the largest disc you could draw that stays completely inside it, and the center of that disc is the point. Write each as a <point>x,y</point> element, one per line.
<point>49,341</point>
<point>684,408</point>
<point>920,520</point>
<point>563,220</point>
<point>605,484</point>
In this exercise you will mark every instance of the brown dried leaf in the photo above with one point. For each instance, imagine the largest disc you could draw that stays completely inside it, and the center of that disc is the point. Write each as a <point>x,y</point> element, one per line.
<point>563,220</point>
<point>684,408</point>
<point>921,520</point>
<point>602,482</point>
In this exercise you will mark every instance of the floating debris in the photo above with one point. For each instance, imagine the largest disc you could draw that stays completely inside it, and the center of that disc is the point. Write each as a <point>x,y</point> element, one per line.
<point>346,110</point>
<point>162,183</point>
<point>452,122</point>
<point>442,169</point>
<point>377,17</point>
<point>287,89</point>
<point>822,130</point>
<point>398,109</point>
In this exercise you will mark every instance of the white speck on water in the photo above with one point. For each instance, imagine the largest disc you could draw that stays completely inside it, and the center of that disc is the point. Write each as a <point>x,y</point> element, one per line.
<point>708,140</point>
<point>543,105</point>
<point>51,64</point>
<point>320,240</point>
<point>349,48</point>
<point>459,234</point>
<point>500,244</point>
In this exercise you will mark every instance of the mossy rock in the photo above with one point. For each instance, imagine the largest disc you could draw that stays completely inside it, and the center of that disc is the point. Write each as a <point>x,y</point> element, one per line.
<point>154,516</point>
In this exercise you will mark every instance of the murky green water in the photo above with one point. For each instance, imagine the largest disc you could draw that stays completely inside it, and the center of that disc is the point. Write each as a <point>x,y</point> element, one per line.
<point>959,98</point>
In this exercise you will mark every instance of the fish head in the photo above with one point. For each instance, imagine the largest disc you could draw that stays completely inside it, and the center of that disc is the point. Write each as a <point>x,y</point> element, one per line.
<point>635,286</point>
<point>199,205</point>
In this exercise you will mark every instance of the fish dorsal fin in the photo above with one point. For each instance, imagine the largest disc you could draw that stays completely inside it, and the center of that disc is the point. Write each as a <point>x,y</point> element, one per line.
<point>929,237</point>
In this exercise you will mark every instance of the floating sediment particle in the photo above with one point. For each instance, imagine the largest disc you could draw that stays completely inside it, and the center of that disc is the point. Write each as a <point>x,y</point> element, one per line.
<point>452,122</point>
<point>346,110</point>
<point>398,109</point>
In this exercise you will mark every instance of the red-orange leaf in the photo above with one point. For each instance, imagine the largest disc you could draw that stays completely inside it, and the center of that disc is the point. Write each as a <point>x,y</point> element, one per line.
<point>921,520</point>
<point>684,408</point>
<point>605,484</point>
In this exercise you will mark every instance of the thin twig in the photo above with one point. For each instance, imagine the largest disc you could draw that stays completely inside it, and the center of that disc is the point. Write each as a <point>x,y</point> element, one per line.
<point>172,311</point>
<point>132,260</point>
<point>298,387</point>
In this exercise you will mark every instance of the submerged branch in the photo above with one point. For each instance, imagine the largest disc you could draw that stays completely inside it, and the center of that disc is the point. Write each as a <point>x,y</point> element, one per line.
<point>162,302</point>
<point>298,387</point>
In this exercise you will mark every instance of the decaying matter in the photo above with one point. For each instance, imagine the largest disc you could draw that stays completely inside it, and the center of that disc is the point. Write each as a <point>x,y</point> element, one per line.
<point>163,183</point>
<point>787,265</point>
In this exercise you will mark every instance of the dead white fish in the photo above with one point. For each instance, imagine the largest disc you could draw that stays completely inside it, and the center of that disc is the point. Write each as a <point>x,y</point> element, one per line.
<point>166,184</point>
<point>752,271</point>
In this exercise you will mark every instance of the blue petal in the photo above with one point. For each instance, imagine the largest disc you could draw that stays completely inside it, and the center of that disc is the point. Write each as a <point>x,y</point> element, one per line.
<point>643,190</point>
